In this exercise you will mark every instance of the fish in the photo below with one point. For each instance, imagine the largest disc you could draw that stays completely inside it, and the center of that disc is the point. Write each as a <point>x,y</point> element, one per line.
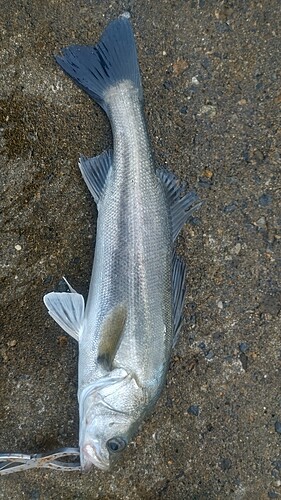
<point>134,309</point>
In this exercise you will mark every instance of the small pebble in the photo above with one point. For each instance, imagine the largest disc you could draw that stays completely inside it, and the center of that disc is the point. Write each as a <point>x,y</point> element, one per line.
<point>277,464</point>
<point>194,80</point>
<point>192,89</point>
<point>220,304</point>
<point>206,63</point>
<point>191,336</point>
<point>205,182</point>
<point>225,464</point>
<point>229,358</point>
<point>180,66</point>
<point>218,336</point>
<point>3,354</point>
<point>62,341</point>
<point>183,110</point>
<point>18,248</point>
<point>155,436</point>
<point>35,495</point>
<point>261,222</point>
<point>244,361</point>
<point>222,27</point>
<point>265,200</point>
<point>258,156</point>
<point>192,320</point>
<point>209,355</point>
<point>208,109</point>
<point>246,156</point>
<point>168,85</point>
<point>236,249</point>
<point>75,261</point>
<point>243,347</point>
<point>278,426</point>
<point>12,343</point>
<point>193,410</point>
<point>208,173</point>
<point>179,474</point>
<point>272,494</point>
<point>169,402</point>
<point>228,209</point>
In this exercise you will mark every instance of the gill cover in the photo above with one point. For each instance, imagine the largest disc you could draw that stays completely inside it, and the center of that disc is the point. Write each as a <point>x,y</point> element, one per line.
<point>109,411</point>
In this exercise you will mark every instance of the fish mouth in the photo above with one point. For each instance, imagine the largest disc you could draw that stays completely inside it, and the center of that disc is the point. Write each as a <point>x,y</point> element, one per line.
<point>91,455</point>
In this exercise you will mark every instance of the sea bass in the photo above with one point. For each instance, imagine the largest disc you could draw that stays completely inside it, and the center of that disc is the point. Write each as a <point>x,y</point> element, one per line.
<point>134,307</point>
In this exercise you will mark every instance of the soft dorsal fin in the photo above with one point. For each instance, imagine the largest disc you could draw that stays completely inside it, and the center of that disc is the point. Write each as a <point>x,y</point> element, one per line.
<point>178,281</point>
<point>112,330</point>
<point>67,309</point>
<point>182,207</point>
<point>94,171</point>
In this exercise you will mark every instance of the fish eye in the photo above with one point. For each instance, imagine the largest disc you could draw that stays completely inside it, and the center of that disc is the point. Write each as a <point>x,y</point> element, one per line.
<point>116,444</point>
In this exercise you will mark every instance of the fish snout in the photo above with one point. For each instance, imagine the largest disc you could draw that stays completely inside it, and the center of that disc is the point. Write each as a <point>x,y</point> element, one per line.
<point>92,455</point>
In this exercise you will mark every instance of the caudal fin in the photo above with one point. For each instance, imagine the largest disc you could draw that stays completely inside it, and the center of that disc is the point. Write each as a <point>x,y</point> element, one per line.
<point>113,59</point>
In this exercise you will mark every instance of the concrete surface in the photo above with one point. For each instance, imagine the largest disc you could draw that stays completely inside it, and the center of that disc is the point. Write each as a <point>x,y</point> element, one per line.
<point>211,76</point>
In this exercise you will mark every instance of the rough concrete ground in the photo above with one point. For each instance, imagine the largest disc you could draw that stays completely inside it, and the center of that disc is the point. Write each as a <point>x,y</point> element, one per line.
<point>211,76</point>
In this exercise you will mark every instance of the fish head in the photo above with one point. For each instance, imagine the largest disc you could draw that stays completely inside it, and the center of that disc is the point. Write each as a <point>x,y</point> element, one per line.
<point>110,411</point>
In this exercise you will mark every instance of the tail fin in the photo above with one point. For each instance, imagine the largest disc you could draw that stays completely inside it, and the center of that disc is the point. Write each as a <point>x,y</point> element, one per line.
<point>113,59</point>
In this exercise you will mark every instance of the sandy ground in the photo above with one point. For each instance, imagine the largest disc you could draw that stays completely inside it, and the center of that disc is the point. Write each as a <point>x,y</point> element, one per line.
<point>211,77</point>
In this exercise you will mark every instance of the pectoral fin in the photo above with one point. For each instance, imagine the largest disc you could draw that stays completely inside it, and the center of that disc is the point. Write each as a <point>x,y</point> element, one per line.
<point>111,334</point>
<point>67,309</point>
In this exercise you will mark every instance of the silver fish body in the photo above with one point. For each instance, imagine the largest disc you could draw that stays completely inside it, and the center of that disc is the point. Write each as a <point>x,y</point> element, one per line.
<point>132,265</point>
<point>136,293</point>
<point>133,254</point>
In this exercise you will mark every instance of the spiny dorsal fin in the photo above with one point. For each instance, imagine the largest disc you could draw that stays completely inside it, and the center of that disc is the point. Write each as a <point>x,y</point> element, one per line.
<point>111,333</point>
<point>94,171</point>
<point>182,207</point>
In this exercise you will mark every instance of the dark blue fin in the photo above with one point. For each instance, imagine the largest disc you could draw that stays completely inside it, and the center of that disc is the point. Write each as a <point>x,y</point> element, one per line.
<point>113,59</point>
<point>94,171</point>
<point>182,207</point>
<point>178,281</point>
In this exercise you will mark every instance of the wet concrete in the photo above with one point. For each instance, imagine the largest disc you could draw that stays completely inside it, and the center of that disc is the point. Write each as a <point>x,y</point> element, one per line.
<point>211,76</point>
